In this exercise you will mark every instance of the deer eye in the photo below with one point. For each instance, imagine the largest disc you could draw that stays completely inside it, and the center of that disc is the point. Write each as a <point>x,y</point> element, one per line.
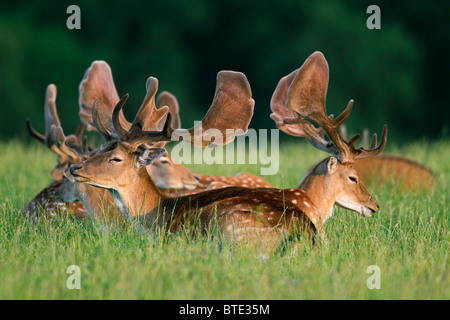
<point>115,160</point>
<point>354,179</point>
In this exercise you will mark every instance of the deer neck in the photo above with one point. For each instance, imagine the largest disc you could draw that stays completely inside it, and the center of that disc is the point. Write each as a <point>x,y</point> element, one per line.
<point>318,187</point>
<point>94,199</point>
<point>139,197</point>
<point>98,203</point>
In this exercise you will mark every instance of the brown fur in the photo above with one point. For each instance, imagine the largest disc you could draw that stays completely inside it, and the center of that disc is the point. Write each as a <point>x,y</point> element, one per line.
<point>45,203</point>
<point>271,213</point>
<point>392,168</point>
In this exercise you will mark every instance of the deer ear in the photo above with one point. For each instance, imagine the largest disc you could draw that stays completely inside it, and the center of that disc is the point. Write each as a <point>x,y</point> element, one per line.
<point>150,155</point>
<point>332,165</point>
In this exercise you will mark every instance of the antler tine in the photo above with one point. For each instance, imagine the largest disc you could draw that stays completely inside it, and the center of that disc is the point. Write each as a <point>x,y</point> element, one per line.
<point>165,98</point>
<point>353,140</point>
<point>154,138</point>
<point>79,132</point>
<point>364,153</point>
<point>148,115</point>
<point>121,133</point>
<point>98,124</point>
<point>374,142</point>
<point>230,111</point>
<point>60,143</point>
<point>50,113</point>
<point>85,146</point>
<point>34,133</point>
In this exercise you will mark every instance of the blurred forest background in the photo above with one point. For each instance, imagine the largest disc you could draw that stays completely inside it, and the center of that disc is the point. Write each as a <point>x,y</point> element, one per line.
<point>397,75</point>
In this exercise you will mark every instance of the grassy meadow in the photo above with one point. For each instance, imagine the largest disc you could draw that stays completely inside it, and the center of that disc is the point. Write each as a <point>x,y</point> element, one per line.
<point>408,239</point>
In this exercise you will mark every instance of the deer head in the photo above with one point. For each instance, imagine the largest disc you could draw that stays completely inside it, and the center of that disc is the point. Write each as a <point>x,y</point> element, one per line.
<point>298,106</point>
<point>98,84</point>
<point>97,202</point>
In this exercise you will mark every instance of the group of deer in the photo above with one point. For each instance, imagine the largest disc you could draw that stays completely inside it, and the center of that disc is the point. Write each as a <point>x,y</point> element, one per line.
<point>131,175</point>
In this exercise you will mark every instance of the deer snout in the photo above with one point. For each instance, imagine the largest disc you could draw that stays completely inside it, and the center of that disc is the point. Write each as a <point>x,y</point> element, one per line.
<point>374,206</point>
<point>75,167</point>
<point>371,208</point>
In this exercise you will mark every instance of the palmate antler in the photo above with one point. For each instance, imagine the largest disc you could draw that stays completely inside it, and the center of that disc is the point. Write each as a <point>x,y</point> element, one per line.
<point>51,120</point>
<point>303,93</point>
<point>231,109</point>
<point>98,84</point>
<point>165,98</point>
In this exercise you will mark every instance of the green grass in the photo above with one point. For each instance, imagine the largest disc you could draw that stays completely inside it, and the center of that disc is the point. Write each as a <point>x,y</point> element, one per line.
<point>408,239</point>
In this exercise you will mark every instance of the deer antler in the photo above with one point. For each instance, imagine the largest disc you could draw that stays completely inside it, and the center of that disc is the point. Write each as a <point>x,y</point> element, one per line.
<point>165,98</point>
<point>98,83</point>
<point>61,143</point>
<point>147,116</point>
<point>365,135</point>
<point>51,120</point>
<point>146,120</point>
<point>283,116</point>
<point>232,98</point>
<point>306,95</point>
<point>231,110</point>
<point>135,136</point>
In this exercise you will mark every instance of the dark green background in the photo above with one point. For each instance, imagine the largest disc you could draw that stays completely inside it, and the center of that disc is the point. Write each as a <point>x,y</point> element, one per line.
<point>397,75</point>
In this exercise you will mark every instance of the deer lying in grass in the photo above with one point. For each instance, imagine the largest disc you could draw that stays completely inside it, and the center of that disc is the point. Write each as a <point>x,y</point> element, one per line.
<point>298,103</point>
<point>383,169</point>
<point>169,176</point>
<point>60,197</point>
<point>97,82</point>
<point>267,214</point>
<point>243,214</point>
<point>150,116</point>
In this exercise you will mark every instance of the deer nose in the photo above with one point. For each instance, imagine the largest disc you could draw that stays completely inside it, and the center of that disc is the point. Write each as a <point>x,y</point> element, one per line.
<point>75,167</point>
<point>376,205</point>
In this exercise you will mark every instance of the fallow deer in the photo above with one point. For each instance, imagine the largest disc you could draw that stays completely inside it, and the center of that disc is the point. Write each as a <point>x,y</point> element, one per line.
<point>298,104</point>
<point>168,175</point>
<point>150,116</point>
<point>243,214</point>
<point>45,201</point>
<point>63,198</point>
